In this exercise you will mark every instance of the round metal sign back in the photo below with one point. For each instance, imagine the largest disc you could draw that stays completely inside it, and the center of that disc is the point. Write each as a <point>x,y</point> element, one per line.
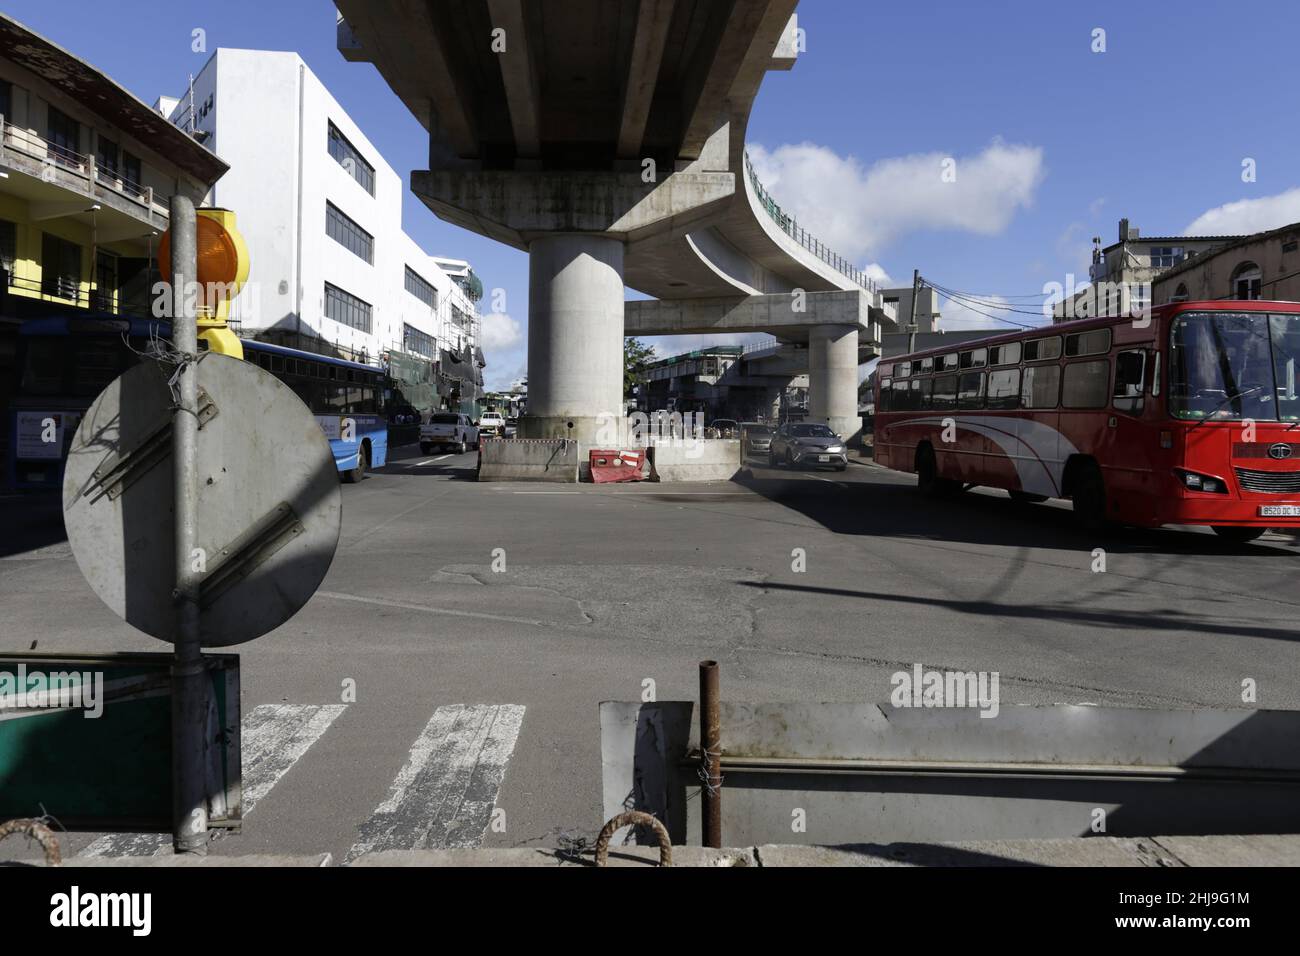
<point>268,504</point>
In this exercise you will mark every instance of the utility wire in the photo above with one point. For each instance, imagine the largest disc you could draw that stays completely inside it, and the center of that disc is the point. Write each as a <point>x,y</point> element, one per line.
<point>996,306</point>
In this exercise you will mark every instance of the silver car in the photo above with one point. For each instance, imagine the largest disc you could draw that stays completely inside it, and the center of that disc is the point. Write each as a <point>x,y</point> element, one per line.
<point>756,439</point>
<point>800,444</point>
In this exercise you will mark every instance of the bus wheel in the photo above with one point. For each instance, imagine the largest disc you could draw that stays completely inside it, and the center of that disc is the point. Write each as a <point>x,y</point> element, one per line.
<point>928,481</point>
<point>1090,497</point>
<point>1238,535</point>
<point>1026,497</point>
<point>354,475</point>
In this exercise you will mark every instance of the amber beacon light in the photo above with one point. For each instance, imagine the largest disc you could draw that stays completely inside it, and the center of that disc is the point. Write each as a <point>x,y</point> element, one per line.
<point>222,270</point>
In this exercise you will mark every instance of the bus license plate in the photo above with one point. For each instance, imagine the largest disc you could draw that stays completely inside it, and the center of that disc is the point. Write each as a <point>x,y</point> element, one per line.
<point>1279,511</point>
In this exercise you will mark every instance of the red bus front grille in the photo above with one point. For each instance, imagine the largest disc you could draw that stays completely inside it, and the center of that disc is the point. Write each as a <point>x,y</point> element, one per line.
<point>1260,449</point>
<point>1269,482</point>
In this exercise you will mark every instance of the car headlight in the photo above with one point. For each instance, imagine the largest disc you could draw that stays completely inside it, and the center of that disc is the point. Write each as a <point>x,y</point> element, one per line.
<point>835,449</point>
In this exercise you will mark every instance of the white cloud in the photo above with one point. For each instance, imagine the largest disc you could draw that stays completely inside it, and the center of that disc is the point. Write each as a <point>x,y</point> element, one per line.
<point>876,272</point>
<point>1248,215</point>
<point>858,210</point>
<point>500,332</point>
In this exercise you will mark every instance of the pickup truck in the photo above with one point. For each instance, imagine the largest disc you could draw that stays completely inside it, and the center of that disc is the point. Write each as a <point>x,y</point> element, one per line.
<point>448,430</point>
<point>492,424</point>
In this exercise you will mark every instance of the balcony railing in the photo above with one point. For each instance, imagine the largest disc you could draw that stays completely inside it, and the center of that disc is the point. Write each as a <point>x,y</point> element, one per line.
<point>67,290</point>
<point>791,228</point>
<point>56,158</point>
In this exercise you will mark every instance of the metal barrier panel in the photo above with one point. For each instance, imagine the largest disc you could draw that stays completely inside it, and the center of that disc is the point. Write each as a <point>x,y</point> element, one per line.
<point>854,773</point>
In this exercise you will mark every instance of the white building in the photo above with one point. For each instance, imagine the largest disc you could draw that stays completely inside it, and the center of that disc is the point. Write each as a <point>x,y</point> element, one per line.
<point>321,212</point>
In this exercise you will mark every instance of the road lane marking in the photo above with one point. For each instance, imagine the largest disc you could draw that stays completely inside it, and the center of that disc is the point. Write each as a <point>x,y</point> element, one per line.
<point>446,791</point>
<point>273,738</point>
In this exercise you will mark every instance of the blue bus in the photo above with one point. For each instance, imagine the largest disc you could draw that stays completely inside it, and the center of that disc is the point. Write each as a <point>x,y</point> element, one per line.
<point>64,363</point>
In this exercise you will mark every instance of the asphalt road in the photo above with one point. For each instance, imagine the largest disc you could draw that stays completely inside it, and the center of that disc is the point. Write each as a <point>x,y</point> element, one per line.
<point>606,587</point>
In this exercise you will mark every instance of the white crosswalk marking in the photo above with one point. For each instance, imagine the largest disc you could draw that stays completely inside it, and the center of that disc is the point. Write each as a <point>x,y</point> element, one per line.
<point>445,793</point>
<point>274,737</point>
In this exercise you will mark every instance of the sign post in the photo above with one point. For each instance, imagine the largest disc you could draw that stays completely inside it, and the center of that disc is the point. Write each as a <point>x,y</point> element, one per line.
<point>189,690</point>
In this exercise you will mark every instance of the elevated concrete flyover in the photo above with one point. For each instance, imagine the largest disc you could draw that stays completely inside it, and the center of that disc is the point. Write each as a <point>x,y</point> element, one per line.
<point>836,330</point>
<point>606,138</point>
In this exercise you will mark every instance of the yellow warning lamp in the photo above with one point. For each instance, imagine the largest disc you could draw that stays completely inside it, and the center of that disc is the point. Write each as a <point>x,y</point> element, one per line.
<point>222,269</point>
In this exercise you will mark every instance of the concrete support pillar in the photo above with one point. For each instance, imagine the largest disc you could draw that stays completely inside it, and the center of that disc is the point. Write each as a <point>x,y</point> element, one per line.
<point>575,339</point>
<point>833,379</point>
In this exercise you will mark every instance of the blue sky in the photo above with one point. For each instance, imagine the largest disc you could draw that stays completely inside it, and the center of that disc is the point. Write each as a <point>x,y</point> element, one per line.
<point>1053,142</point>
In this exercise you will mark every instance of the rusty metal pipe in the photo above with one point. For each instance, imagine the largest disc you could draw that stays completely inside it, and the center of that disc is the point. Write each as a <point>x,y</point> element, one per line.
<point>710,754</point>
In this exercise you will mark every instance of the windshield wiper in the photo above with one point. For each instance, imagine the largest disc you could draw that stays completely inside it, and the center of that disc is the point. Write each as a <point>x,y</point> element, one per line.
<point>1231,398</point>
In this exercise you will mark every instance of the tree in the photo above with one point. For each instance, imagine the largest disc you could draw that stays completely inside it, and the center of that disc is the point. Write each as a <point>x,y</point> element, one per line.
<point>636,356</point>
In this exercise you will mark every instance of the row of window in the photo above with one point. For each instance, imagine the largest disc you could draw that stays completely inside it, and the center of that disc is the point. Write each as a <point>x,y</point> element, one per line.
<point>345,231</point>
<point>1078,344</point>
<point>420,343</point>
<point>350,158</point>
<point>422,290</point>
<point>1078,385</point>
<point>346,308</point>
<point>63,140</point>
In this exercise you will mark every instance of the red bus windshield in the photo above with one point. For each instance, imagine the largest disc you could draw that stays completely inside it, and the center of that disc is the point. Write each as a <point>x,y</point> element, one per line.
<point>1233,366</point>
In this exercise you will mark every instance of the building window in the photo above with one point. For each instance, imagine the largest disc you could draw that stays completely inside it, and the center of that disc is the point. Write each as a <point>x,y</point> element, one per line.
<point>351,160</point>
<point>8,247</point>
<point>413,340</point>
<point>348,234</point>
<point>63,137</point>
<point>1166,257</point>
<point>421,289</point>
<point>132,177</point>
<point>60,267</point>
<point>1290,245</point>
<point>1180,294</point>
<point>347,309</point>
<point>1246,281</point>
<point>106,158</point>
<point>460,317</point>
<point>7,100</point>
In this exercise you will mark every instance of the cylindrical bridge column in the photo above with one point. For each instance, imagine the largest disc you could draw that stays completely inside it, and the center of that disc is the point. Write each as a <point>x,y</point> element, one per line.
<point>575,339</point>
<point>833,379</point>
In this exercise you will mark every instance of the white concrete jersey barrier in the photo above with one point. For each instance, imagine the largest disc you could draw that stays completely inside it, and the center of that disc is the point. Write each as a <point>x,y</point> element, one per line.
<point>701,459</point>
<point>528,459</point>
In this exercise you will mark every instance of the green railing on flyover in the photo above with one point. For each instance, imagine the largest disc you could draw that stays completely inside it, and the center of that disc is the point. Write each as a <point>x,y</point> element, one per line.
<point>796,232</point>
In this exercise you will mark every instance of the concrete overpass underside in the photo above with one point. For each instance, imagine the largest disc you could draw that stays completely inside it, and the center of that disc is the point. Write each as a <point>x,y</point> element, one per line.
<point>606,138</point>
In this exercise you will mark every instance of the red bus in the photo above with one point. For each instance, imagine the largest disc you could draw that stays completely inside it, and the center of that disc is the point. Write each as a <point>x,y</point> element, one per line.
<point>1189,416</point>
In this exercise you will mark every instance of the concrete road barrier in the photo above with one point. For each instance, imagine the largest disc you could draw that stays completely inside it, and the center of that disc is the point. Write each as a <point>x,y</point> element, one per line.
<point>703,459</point>
<point>528,459</point>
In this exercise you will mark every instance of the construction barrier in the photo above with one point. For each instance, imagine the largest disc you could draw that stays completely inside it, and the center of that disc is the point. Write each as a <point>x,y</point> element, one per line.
<point>525,459</point>
<point>614,465</point>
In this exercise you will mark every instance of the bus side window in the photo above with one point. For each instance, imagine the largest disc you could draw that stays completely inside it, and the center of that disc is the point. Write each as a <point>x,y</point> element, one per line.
<point>945,391</point>
<point>1041,387</point>
<point>1130,381</point>
<point>1004,388</point>
<point>264,360</point>
<point>970,390</point>
<point>886,388</point>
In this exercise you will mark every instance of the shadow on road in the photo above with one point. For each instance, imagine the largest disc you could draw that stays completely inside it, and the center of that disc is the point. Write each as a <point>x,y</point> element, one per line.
<point>886,508</point>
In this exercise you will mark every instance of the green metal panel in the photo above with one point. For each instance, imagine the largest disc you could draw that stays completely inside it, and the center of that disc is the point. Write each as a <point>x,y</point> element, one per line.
<point>111,772</point>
